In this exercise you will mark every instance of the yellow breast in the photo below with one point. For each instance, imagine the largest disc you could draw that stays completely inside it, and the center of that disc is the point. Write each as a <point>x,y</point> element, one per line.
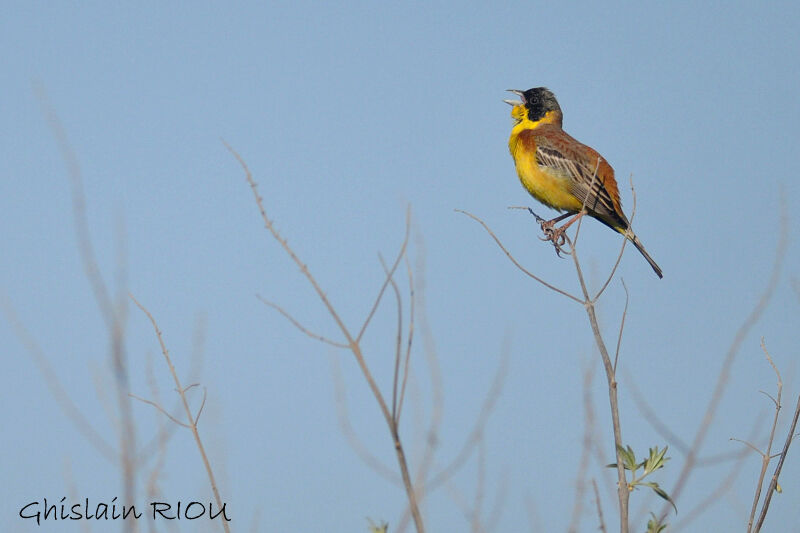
<point>542,183</point>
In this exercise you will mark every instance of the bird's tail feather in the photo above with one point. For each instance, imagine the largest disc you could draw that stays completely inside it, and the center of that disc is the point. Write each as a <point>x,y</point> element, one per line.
<point>638,244</point>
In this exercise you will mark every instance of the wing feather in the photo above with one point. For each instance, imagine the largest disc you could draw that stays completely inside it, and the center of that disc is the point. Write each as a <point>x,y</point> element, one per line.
<point>591,178</point>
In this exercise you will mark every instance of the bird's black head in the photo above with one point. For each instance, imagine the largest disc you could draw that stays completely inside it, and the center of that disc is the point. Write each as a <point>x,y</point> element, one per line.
<point>534,105</point>
<point>539,101</point>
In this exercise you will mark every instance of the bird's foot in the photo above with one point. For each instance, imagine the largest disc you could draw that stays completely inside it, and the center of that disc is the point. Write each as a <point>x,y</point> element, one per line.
<point>555,235</point>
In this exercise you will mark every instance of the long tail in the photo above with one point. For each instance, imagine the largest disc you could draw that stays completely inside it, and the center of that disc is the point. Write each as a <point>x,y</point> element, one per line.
<point>638,244</point>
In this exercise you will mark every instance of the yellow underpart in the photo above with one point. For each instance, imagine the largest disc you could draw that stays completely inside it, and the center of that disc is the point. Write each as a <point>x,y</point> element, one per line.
<point>550,189</point>
<point>546,186</point>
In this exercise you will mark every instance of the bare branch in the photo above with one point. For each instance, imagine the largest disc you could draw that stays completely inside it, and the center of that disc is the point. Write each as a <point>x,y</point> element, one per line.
<point>187,410</point>
<point>61,396</point>
<point>409,340</point>
<point>586,450</point>
<point>653,419</point>
<point>358,446</point>
<point>480,423</point>
<point>399,339</point>
<point>733,351</point>
<point>724,485</point>
<point>92,271</point>
<point>749,445</point>
<point>514,260</point>
<point>623,494</point>
<point>352,342</point>
<point>161,409</point>
<point>773,486</point>
<point>200,411</point>
<point>621,248</point>
<point>389,275</point>
<point>599,507</point>
<point>621,325</point>
<point>767,454</point>
<point>296,323</point>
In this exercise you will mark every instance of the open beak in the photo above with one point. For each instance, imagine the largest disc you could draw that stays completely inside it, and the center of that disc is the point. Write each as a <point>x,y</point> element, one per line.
<point>515,102</point>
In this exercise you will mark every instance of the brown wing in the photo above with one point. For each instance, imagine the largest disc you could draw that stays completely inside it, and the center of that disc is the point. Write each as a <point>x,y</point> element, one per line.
<point>561,154</point>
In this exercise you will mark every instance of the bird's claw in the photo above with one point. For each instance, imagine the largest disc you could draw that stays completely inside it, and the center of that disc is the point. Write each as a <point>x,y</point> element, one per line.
<point>555,235</point>
<point>552,234</point>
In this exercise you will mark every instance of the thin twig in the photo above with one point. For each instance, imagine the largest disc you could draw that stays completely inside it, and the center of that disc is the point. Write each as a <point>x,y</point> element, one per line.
<point>296,323</point>
<point>163,411</point>
<point>388,276</point>
<point>727,364</point>
<point>352,341</point>
<point>724,485</point>
<point>623,494</point>
<point>480,422</point>
<point>358,446</point>
<point>586,200</point>
<point>514,260</point>
<point>202,404</point>
<point>652,417</point>
<point>621,248</point>
<point>765,455</point>
<point>53,383</point>
<point>409,339</point>
<point>773,485</point>
<point>589,306</point>
<point>599,506</point>
<point>113,315</point>
<point>621,325</point>
<point>399,339</point>
<point>187,409</point>
<point>431,436</point>
<point>586,450</point>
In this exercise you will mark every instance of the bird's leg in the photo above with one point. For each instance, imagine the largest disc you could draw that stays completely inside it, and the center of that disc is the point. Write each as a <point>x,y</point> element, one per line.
<point>553,234</point>
<point>548,227</point>
<point>558,233</point>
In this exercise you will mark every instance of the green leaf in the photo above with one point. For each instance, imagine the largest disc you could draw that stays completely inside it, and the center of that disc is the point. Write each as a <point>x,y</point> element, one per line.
<point>658,490</point>
<point>655,461</point>
<point>628,458</point>
<point>654,525</point>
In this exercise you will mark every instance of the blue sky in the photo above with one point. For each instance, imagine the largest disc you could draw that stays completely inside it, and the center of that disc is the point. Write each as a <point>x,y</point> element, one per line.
<point>346,115</point>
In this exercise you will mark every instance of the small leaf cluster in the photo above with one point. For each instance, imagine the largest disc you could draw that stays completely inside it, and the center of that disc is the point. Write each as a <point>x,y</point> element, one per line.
<point>655,461</point>
<point>654,525</point>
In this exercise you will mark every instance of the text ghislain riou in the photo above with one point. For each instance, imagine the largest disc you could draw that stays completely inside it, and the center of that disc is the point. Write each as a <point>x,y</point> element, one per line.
<point>64,510</point>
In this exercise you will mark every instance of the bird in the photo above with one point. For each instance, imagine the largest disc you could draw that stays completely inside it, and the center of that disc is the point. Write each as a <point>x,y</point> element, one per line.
<point>561,172</point>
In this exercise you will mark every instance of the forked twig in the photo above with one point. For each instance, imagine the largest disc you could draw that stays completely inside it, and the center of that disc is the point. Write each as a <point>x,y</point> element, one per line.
<point>730,356</point>
<point>296,323</point>
<point>589,306</point>
<point>358,446</point>
<point>163,411</point>
<point>188,411</point>
<point>766,457</point>
<point>353,341</point>
<point>773,485</point>
<point>114,314</point>
<point>621,248</point>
